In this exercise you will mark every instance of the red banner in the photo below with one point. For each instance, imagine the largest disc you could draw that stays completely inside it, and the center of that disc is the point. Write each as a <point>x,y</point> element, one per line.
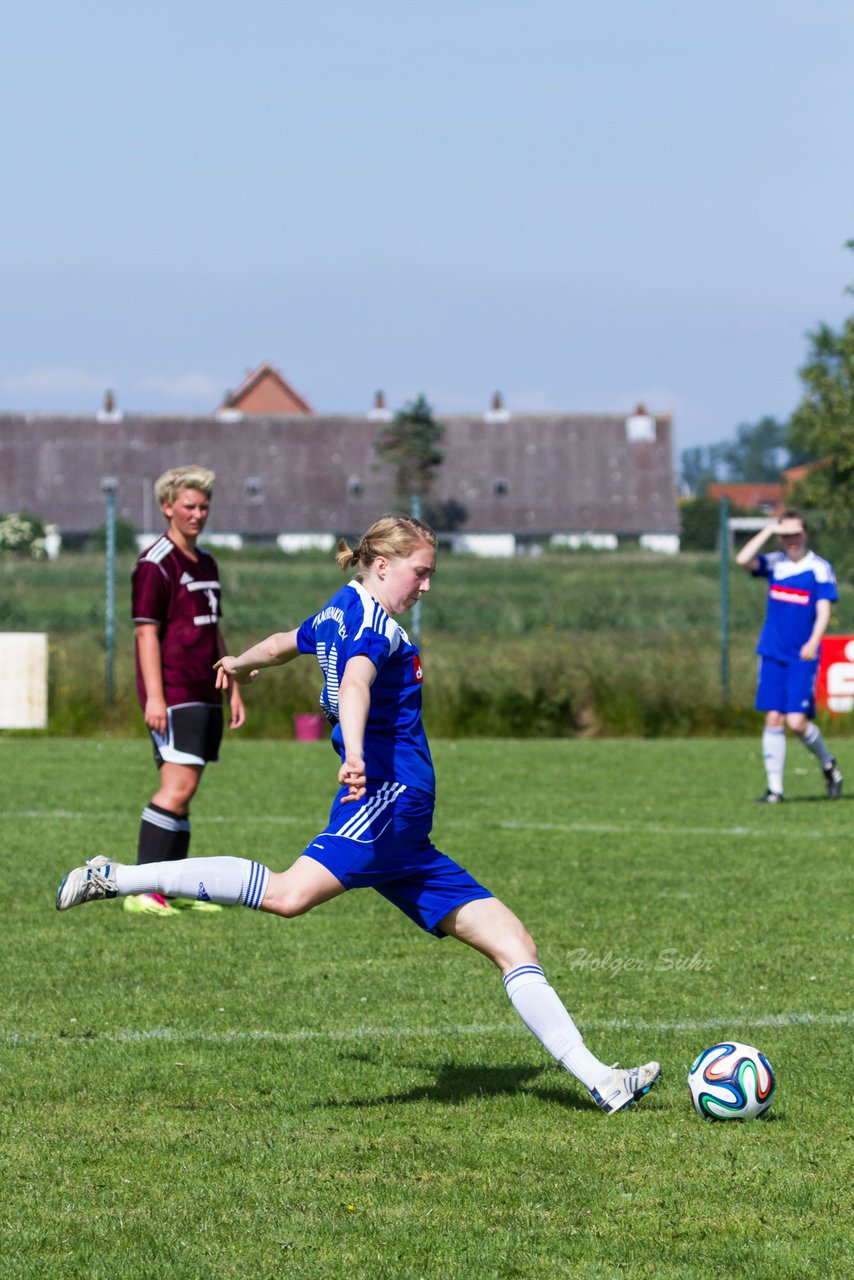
<point>834,686</point>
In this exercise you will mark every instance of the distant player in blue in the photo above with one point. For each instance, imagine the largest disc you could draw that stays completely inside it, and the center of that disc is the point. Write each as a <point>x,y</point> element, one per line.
<point>378,833</point>
<point>801,590</point>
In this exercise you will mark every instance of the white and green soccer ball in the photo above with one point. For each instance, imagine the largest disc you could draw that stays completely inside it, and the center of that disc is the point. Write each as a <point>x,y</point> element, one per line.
<point>731,1081</point>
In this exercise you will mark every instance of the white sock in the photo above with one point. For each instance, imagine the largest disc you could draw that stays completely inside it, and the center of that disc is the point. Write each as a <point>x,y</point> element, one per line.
<point>543,1013</point>
<point>228,881</point>
<point>813,741</point>
<point>774,754</point>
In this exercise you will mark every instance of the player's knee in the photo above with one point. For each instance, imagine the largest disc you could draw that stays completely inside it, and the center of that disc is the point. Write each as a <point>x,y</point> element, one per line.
<point>286,900</point>
<point>797,723</point>
<point>514,946</point>
<point>284,904</point>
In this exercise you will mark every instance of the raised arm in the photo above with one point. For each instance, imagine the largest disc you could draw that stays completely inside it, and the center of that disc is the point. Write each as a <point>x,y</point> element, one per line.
<point>354,701</point>
<point>748,555</point>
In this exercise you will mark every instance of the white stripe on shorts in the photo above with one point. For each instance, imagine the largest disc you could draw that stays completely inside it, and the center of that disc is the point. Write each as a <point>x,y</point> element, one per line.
<point>359,823</point>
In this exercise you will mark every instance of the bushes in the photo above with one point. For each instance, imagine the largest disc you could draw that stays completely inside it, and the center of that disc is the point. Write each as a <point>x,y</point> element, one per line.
<point>125,534</point>
<point>22,534</point>
<point>700,523</point>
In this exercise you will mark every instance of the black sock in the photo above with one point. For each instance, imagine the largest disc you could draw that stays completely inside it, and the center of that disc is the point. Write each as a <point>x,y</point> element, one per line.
<point>163,836</point>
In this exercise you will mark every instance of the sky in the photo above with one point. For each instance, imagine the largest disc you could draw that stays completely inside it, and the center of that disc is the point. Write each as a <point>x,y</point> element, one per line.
<point>582,204</point>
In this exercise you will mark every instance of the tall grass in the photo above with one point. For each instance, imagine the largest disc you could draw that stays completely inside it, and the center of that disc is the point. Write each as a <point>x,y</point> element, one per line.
<point>624,644</point>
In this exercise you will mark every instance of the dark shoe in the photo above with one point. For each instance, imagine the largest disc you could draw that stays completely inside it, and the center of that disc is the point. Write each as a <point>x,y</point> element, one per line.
<point>770,797</point>
<point>833,779</point>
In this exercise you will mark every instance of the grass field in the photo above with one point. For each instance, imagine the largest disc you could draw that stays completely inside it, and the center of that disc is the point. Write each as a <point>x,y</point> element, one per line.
<point>342,1096</point>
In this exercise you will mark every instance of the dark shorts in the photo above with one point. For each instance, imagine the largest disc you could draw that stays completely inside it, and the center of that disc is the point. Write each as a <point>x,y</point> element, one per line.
<point>193,734</point>
<point>787,687</point>
<point>383,842</point>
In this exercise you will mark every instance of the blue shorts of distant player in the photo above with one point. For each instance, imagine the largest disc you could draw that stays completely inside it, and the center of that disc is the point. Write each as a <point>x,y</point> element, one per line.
<point>383,842</point>
<point>787,687</point>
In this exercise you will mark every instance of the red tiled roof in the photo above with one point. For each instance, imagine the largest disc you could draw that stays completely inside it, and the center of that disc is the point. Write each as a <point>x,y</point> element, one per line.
<point>265,391</point>
<point>749,494</point>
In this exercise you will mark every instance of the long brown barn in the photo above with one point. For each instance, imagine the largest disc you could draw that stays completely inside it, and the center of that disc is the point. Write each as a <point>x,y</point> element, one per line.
<point>526,475</point>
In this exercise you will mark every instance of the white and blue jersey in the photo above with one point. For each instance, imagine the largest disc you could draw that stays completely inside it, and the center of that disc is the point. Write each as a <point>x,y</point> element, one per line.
<point>794,589</point>
<point>354,624</point>
<point>382,841</point>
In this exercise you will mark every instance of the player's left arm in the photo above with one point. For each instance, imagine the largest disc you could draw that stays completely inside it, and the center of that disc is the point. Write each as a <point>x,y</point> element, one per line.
<point>235,698</point>
<point>822,618</point>
<point>354,702</point>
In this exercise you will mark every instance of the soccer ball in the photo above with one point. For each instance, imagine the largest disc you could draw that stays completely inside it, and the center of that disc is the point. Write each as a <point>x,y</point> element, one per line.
<point>731,1081</point>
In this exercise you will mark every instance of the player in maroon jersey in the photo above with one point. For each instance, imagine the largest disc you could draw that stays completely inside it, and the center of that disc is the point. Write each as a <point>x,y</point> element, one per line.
<point>176,611</point>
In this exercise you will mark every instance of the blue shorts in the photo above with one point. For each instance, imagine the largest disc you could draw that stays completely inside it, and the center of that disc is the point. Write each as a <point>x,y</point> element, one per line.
<point>383,842</point>
<point>787,687</point>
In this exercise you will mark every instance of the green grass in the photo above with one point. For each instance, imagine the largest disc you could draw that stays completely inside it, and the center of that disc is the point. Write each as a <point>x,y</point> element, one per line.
<point>634,592</point>
<point>342,1096</point>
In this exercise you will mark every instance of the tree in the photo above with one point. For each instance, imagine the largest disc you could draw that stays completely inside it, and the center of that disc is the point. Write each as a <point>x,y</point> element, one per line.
<point>758,453</point>
<point>410,443</point>
<point>700,466</point>
<point>445,517</point>
<point>822,426</point>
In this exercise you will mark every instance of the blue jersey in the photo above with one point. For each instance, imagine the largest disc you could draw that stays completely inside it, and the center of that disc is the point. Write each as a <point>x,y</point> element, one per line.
<point>354,624</point>
<point>794,589</point>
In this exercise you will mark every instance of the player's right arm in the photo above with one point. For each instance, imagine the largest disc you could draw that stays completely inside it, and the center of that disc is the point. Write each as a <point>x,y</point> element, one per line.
<point>151,669</point>
<point>272,652</point>
<point>748,556</point>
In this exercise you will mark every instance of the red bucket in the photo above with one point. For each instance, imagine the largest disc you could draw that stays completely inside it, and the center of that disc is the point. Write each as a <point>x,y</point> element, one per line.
<point>308,726</point>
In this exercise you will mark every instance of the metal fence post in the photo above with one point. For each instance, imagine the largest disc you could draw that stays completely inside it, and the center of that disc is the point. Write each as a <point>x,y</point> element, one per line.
<point>109,485</point>
<point>724,575</point>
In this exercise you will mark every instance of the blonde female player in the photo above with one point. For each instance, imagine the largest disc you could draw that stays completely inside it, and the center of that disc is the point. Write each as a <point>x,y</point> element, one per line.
<point>378,833</point>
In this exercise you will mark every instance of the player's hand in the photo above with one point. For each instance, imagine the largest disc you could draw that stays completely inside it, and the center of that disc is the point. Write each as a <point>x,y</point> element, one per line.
<point>238,710</point>
<point>790,528</point>
<point>228,674</point>
<point>809,650</point>
<point>155,714</point>
<point>352,775</point>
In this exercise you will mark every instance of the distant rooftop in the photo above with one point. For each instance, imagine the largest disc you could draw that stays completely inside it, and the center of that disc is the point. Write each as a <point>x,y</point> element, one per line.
<point>265,391</point>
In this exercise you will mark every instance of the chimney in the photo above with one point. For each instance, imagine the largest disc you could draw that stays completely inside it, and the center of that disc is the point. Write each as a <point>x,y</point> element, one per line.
<point>109,413</point>
<point>379,413</point>
<point>640,426</point>
<point>497,413</point>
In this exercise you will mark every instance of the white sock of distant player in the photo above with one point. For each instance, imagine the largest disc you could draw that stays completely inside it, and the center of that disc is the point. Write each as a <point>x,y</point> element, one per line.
<point>813,741</point>
<point>774,753</point>
<point>228,881</point>
<point>542,1011</point>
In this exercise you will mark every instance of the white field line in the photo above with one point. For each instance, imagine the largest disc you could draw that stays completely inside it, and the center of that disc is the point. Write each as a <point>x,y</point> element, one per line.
<point>169,1036</point>
<point>568,828</point>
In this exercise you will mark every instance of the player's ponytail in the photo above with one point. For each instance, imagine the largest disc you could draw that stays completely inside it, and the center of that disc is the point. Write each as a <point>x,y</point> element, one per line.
<point>347,558</point>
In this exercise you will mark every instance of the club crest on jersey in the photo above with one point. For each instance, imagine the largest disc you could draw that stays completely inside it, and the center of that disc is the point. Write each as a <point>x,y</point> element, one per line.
<point>417,669</point>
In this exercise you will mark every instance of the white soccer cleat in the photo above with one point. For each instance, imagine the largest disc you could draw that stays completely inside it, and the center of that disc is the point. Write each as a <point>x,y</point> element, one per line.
<point>625,1086</point>
<point>96,879</point>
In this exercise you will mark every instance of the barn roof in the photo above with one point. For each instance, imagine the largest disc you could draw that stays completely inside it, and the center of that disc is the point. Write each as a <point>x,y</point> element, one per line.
<point>523,474</point>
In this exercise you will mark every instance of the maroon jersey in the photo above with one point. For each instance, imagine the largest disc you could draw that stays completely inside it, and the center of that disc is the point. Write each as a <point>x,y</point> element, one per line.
<point>183,597</point>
